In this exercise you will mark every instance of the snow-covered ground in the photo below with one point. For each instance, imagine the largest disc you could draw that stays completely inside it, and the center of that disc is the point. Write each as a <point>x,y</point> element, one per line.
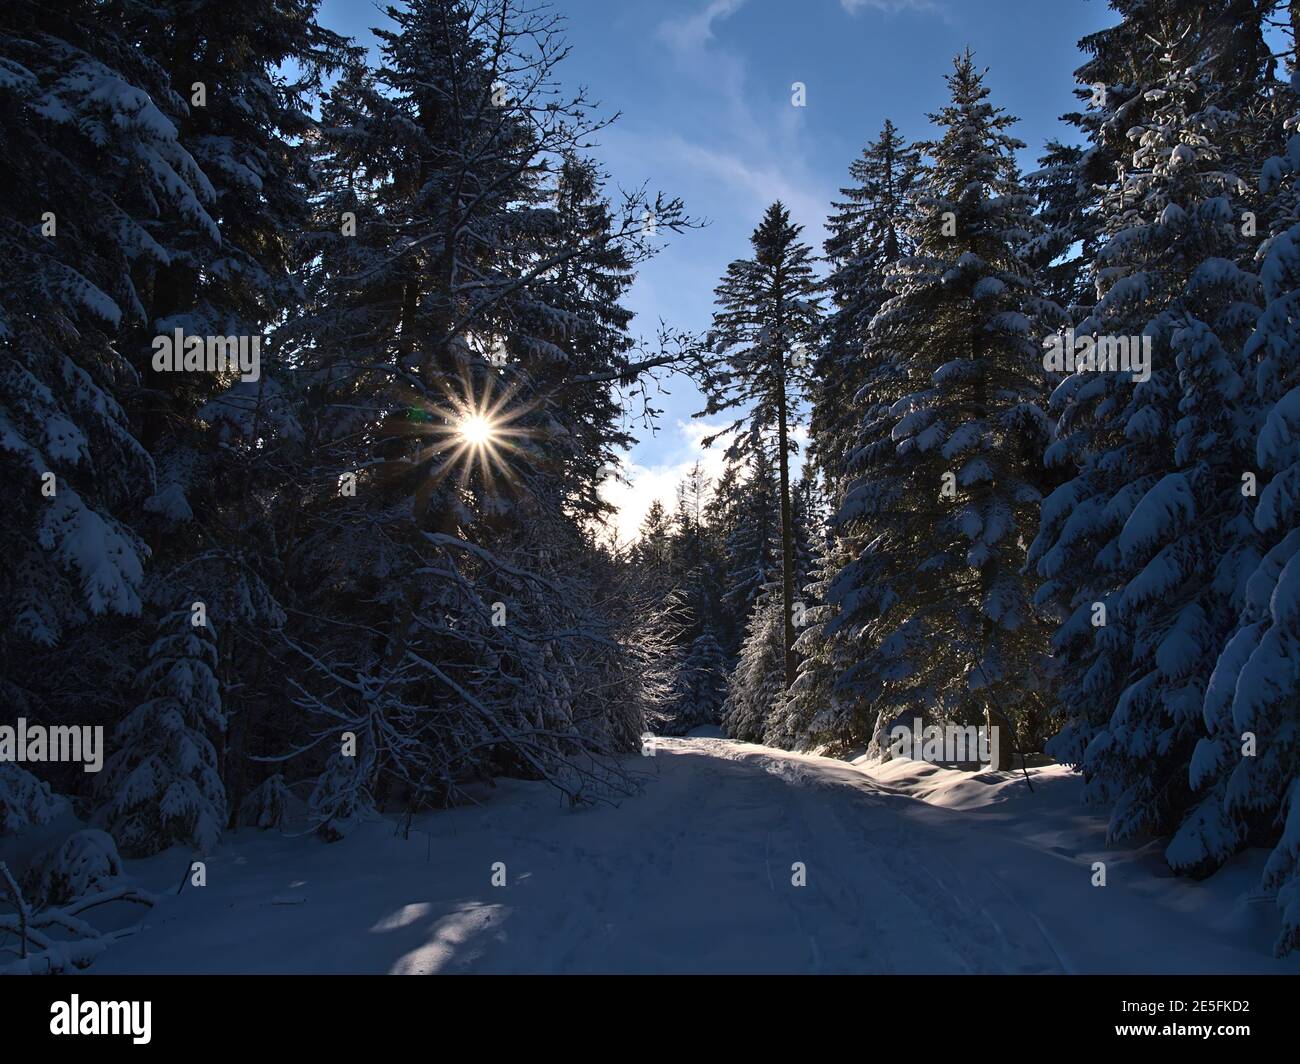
<point>909,868</point>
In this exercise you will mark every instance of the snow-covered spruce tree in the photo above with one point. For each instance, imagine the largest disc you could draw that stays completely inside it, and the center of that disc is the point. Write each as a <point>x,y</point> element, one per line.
<point>815,712</point>
<point>342,795</point>
<point>227,450</point>
<point>809,531</point>
<point>703,685</point>
<point>949,473</point>
<point>267,805</point>
<point>717,525</point>
<point>162,211</point>
<point>1090,663</point>
<point>462,347</point>
<point>757,686</point>
<point>696,561</point>
<point>1117,80</point>
<point>160,786</point>
<point>764,329</point>
<point>866,238</point>
<point>247,75</point>
<point>243,78</point>
<point>1066,209</point>
<point>784,724</point>
<point>756,704</point>
<point>96,183</point>
<point>653,551</point>
<point>1247,765</point>
<point>1267,698</point>
<point>748,516</point>
<point>1144,553</point>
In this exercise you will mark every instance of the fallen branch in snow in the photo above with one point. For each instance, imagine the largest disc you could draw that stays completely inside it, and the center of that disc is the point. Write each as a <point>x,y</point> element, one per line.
<point>59,954</point>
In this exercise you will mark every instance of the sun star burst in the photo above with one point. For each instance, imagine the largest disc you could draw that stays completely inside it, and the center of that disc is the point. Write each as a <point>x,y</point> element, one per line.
<point>474,433</point>
<point>477,430</point>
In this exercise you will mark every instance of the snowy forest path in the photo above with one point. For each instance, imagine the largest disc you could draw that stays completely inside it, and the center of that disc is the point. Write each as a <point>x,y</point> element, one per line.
<point>698,872</point>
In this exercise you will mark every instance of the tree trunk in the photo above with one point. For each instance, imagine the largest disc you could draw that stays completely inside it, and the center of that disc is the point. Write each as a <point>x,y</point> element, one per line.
<point>1005,751</point>
<point>787,530</point>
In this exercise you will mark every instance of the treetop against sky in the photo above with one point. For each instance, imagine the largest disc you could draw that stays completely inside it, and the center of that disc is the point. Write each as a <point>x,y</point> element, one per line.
<point>709,113</point>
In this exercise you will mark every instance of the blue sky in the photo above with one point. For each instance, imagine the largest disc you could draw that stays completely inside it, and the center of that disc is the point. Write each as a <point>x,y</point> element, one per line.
<point>704,88</point>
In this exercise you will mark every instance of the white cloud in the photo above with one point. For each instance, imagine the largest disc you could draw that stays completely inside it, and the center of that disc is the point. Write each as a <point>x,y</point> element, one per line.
<point>762,182</point>
<point>759,153</point>
<point>658,483</point>
<point>648,484</point>
<point>692,33</point>
<point>888,6</point>
<point>716,74</point>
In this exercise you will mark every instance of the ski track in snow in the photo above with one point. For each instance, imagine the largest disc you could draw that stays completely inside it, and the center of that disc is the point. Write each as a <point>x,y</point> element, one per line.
<point>911,869</point>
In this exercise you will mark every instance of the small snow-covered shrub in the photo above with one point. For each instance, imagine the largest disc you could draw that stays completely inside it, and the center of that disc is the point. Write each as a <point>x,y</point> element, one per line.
<point>341,796</point>
<point>25,801</point>
<point>267,806</point>
<point>51,928</point>
<point>86,862</point>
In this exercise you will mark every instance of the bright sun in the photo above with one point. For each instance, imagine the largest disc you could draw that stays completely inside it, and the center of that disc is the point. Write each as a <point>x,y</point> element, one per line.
<point>476,430</point>
<point>475,435</point>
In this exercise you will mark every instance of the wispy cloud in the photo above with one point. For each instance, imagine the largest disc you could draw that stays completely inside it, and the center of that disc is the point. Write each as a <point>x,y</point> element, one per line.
<point>694,31</point>
<point>755,151</point>
<point>761,181</point>
<point>716,75</point>
<point>890,7</point>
